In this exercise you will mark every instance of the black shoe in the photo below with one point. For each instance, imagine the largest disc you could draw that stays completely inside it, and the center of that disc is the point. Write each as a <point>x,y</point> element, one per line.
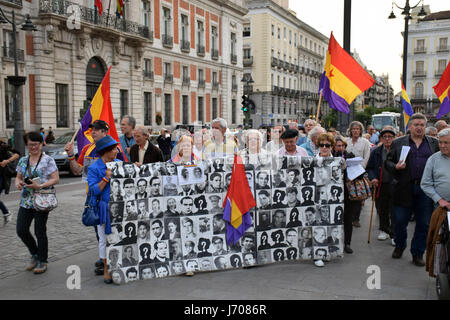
<point>356,224</point>
<point>347,249</point>
<point>99,263</point>
<point>418,261</point>
<point>99,271</point>
<point>397,254</point>
<point>107,281</point>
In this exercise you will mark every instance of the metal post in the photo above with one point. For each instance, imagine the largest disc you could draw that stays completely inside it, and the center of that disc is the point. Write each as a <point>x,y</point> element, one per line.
<point>405,46</point>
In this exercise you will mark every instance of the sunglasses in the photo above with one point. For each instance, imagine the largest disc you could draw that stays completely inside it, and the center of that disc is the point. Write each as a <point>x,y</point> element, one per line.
<point>325,145</point>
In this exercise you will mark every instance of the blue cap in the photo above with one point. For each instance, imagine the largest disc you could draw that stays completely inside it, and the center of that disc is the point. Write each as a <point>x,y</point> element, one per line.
<point>104,143</point>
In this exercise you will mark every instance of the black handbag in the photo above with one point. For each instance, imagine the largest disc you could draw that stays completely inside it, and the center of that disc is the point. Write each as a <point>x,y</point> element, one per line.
<point>10,169</point>
<point>90,215</point>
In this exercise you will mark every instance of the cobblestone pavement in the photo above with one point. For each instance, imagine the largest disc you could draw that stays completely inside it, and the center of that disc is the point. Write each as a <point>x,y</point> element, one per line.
<point>66,235</point>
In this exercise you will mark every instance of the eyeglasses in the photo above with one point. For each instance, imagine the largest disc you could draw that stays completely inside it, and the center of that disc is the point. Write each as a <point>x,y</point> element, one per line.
<point>325,145</point>
<point>33,145</point>
<point>388,137</point>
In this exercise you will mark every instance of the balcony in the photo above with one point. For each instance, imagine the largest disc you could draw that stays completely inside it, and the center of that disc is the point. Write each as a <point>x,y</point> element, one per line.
<point>167,41</point>
<point>443,49</point>
<point>148,75</point>
<point>14,3</point>
<point>286,65</point>
<point>185,46</point>
<point>90,15</point>
<point>234,87</point>
<point>201,83</point>
<point>302,70</point>
<point>200,50</point>
<point>168,78</point>
<point>420,50</point>
<point>419,74</point>
<point>214,54</point>
<point>233,58</point>
<point>438,73</point>
<point>186,81</point>
<point>248,61</point>
<point>8,53</point>
<point>274,62</point>
<point>215,85</point>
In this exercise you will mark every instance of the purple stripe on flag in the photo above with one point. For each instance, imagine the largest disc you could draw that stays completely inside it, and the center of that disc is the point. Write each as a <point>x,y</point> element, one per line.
<point>336,102</point>
<point>84,126</point>
<point>233,235</point>
<point>445,107</point>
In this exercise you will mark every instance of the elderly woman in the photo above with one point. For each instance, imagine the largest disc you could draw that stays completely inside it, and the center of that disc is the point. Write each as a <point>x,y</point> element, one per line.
<point>98,183</point>
<point>34,172</point>
<point>253,150</point>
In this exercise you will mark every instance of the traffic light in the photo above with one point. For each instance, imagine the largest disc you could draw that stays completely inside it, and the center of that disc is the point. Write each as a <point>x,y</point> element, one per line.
<point>245,102</point>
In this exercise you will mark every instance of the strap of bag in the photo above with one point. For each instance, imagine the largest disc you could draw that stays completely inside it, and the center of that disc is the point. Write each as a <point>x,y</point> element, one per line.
<point>28,168</point>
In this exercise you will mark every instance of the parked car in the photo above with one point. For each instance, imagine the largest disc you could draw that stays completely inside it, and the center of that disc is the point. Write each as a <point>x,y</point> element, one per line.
<point>56,151</point>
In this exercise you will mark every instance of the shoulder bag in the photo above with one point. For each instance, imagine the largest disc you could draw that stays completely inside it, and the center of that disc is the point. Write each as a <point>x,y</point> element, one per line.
<point>90,215</point>
<point>359,188</point>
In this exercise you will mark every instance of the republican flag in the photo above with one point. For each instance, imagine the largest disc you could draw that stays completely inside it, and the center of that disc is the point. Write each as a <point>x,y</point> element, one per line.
<point>119,10</point>
<point>442,90</point>
<point>99,5</point>
<point>100,109</point>
<point>343,78</point>
<point>407,109</point>
<point>238,202</point>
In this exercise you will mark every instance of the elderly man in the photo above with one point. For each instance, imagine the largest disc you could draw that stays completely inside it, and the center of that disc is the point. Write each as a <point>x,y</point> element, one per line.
<point>311,145</point>
<point>127,125</point>
<point>374,138</point>
<point>409,197</point>
<point>440,125</point>
<point>220,146</point>
<point>308,125</point>
<point>290,147</point>
<point>381,179</point>
<point>436,175</point>
<point>144,151</point>
<point>431,131</point>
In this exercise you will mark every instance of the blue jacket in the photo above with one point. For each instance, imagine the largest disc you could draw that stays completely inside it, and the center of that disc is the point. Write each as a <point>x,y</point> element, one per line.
<point>96,172</point>
<point>307,147</point>
<point>375,163</point>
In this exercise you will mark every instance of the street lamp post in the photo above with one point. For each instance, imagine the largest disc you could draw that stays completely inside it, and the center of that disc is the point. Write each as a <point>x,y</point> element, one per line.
<point>16,80</point>
<point>406,12</point>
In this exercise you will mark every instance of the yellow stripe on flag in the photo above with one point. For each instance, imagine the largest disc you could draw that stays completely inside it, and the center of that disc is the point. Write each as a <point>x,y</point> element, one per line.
<point>236,215</point>
<point>97,104</point>
<point>444,94</point>
<point>342,86</point>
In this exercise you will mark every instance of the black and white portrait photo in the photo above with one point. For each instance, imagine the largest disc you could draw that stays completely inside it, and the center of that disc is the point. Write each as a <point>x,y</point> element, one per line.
<point>310,216</point>
<point>171,169</point>
<point>263,200</point>
<point>263,180</point>
<point>294,218</point>
<point>292,253</point>
<point>278,218</point>
<point>155,186</point>
<point>292,197</point>
<point>323,175</point>
<point>147,272</point>
<point>279,198</point>
<point>279,179</point>
<point>307,196</point>
<point>116,210</point>
<point>292,178</point>
<point>129,190</point>
<point>324,215</point>
<point>335,194</point>
<point>170,186</point>
<point>129,170</point>
<point>264,257</point>
<point>215,183</point>
<point>191,174</point>
<point>308,176</point>
<point>129,255</point>
<point>172,228</point>
<point>263,221</point>
<point>116,190</point>
<point>320,236</point>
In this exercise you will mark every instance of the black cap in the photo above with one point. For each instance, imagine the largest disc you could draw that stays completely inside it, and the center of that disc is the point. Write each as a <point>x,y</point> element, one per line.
<point>99,125</point>
<point>387,131</point>
<point>289,133</point>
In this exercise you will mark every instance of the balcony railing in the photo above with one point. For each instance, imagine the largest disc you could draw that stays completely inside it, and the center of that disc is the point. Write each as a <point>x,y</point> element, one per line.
<point>419,74</point>
<point>248,61</point>
<point>201,50</point>
<point>215,54</point>
<point>215,85</point>
<point>186,81</point>
<point>168,78</point>
<point>274,62</point>
<point>201,83</point>
<point>9,53</point>
<point>185,46</point>
<point>14,2</point>
<point>234,87</point>
<point>438,73</point>
<point>286,65</point>
<point>420,50</point>
<point>443,49</point>
<point>147,74</point>
<point>90,15</point>
<point>302,69</point>
<point>167,41</point>
<point>233,58</point>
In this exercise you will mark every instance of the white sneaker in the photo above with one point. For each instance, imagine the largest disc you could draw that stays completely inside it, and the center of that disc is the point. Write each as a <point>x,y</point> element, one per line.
<point>393,242</point>
<point>319,263</point>
<point>383,236</point>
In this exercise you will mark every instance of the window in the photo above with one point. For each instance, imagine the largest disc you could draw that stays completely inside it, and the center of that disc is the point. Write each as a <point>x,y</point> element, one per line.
<point>214,108</point>
<point>418,90</point>
<point>290,37</point>
<point>284,33</point>
<point>273,105</point>
<point>441,65</point>
<point>62,106</point>
<point>233,43</point>
<point>214,77</point>
<point>185,104</point>
<point>9,104</point>
<point>200,110</point>
<point>148,68</point>
<point>8,44</point>
<point>295,39</point>
<point>246,32</point>
<point>233,111</point>
<point>279,33</point>
<point>185,72</point>
<point>147,108</point>
<point>184,28</point>
<point>167,109</point>
<point>247,53</point>
<point>420,45</point>
<point>273,30</point>
<point>214,38</point>
<point>443,44</point>
<point>166,21</point>
<point>123,103</point>
<point>419,67</point>
<point>200,75</point>
<point>200,31</point>
<point>146,13</point>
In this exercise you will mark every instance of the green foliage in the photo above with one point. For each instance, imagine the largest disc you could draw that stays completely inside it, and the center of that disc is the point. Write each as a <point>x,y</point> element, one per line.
<point>330,120</point>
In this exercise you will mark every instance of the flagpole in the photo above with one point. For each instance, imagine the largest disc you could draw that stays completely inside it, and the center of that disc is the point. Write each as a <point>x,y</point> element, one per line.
<point>318,107</point>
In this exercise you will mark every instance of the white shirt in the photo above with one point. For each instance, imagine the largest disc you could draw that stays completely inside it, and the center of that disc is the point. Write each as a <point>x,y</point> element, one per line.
<point>361,148</point>
<point>299,152</point>
<point>142,152</point>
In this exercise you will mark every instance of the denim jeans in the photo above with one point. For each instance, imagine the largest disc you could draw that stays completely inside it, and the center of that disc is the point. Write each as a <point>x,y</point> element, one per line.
<point>24,219</point>
<point>423,209</point>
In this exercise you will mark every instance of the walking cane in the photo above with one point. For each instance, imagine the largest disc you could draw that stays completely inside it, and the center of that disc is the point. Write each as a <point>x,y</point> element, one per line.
<point>371,213</point>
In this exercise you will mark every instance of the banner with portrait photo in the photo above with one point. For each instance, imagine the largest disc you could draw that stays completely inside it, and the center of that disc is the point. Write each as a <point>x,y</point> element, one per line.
<point>167,219</point>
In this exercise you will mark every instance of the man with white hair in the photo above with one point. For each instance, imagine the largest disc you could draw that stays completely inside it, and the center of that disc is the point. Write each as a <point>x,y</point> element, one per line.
<point>311,145</point>
<point>440,125</point>
<point>144,151</point>
<point>431,131</point>
<point>308,125</point>
<point>221,145</point>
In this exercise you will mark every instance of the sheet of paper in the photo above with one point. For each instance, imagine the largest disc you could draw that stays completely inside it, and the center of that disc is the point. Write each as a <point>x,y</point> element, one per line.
<point>353,161</point>
<point>404,153</point>
<point>355,171</point>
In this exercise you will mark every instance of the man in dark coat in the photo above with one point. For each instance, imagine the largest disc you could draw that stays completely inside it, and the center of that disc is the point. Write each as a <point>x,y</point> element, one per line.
<point>144,151</point>
<point>409,196</point>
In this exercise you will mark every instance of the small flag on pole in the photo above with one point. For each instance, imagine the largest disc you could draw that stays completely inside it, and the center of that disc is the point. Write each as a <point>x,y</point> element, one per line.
<point>99,5</point>
<point>442,90</point>
<point>407,109</point>
<point>238,202</point>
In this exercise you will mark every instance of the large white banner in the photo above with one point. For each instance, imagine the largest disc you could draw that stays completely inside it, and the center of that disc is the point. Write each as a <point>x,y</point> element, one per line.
<point>167,219</point>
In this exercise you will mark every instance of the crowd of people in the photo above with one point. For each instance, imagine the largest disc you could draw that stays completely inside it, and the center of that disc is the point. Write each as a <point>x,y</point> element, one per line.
<point>420,183</point>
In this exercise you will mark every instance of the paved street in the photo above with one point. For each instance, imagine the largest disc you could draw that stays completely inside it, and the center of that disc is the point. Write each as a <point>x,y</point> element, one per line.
<point>70,243</point>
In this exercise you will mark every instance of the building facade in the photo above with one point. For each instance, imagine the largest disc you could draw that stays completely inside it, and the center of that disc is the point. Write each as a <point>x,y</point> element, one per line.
<point>172,61</point>
<point>428,56</point>
<point>285,58</point>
